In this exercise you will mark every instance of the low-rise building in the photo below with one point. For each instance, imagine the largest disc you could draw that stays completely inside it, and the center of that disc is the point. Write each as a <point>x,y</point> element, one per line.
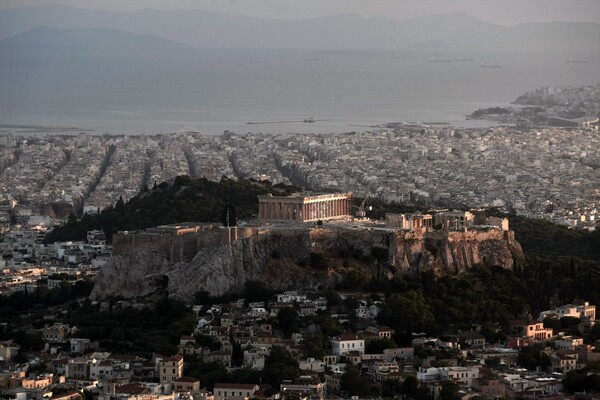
<point>8,350</point>
<point>530,329</point>
<point>305,386</point>
<point>55,333</point>
<point>346,343</point>
<point>186,384</point>
<point>234,391</point>
<point>171,368</point>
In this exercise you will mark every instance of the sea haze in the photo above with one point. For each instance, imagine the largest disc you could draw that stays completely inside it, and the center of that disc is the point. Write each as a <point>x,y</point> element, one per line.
<point>152,90</point>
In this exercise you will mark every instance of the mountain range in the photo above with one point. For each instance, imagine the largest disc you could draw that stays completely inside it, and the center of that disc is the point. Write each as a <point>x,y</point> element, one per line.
<point>344,32</point>
<point>43,36</point>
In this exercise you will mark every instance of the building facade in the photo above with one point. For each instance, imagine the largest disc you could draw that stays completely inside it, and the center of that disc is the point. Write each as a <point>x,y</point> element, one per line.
<point>306,386</point>
<point>304,208</point>
<point>583,310</point>
<point>454,219</point>
<point>346,343</point>
<point>410,221</point>
<point>186,384</point>
<point>234,391</point>
<point>530,329</point>
<point>171,368</point>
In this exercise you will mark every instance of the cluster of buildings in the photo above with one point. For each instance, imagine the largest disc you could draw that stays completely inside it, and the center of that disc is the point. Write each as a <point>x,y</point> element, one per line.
<point>569,107</point>
<point>26,263</point>
<point>546,173</point>
<point>32,165</point>
<point>209,156</point>
<point>108,376</point>
<point>564,104</point>
<point>136,163</point>
<point>491,371</point>
<point>314,207</point>
<point>540,172</point>
<point>48,177</point>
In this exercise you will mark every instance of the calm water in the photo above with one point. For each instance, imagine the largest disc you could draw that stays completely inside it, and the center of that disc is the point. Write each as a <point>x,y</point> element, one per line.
<point>149,91</point>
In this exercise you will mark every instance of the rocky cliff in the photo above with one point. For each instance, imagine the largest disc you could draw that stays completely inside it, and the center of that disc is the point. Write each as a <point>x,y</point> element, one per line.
<point>300,258</point>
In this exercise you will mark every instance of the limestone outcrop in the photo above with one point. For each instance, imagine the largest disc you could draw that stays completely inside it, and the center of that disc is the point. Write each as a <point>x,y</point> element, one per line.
<point>283,259</point>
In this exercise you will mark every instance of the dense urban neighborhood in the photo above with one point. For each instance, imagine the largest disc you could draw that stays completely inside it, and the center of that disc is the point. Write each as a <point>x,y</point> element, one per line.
<point>545,173</point>
<point>409,261</point>
<point>459,342</point>
<point>294,345</point>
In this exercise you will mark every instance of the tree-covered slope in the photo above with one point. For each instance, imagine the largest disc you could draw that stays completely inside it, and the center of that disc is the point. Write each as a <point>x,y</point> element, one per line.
<point>546,238</point>
<point>186,199</point>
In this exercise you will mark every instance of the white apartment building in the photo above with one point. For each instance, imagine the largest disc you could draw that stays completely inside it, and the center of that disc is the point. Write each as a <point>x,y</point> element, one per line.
<point>346,343</point>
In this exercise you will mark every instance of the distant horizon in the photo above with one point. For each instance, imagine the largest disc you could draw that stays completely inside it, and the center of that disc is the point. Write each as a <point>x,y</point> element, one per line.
<point>505,13</point>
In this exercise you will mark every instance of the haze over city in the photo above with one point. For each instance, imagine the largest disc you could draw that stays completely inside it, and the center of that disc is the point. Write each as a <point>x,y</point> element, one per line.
<point>299,199</point>
<point>509,12</point>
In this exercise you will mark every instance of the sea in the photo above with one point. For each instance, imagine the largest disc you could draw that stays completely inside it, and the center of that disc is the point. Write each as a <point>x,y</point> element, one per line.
<point>150,91</point>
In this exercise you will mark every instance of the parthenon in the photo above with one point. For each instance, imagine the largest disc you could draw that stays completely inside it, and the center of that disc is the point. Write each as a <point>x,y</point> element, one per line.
<point>305,208</point>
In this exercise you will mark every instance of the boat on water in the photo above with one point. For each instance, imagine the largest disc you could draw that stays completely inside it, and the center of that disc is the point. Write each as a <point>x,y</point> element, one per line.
<point>577,60</point>
<point>464,59</point>
<point>484,65</point>
<point>440,60</point>
<point>309,120</point>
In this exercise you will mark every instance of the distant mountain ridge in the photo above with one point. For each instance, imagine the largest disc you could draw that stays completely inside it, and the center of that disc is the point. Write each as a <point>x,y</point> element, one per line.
<point>44,36</point>
<point>345,32</point>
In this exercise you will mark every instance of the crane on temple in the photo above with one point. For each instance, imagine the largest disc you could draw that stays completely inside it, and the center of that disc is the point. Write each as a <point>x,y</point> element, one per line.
<point>362,209</point>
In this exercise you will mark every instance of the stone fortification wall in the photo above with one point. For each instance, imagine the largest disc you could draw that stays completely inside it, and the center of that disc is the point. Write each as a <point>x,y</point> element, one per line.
<point>218,269</point>
<point>440,251</point>
<point>178,248</point>
<point>208,261</point>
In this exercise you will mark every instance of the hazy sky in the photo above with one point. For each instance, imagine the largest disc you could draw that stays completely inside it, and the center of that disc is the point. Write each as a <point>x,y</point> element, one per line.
<point>504,12</point>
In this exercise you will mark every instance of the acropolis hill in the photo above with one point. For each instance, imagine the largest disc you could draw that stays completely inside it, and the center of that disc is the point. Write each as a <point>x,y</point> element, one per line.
<point>188,258</point>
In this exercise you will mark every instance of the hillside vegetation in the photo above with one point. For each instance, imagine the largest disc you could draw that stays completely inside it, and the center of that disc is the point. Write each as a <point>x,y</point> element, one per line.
<point>185,199</point>
<point>561,264</point>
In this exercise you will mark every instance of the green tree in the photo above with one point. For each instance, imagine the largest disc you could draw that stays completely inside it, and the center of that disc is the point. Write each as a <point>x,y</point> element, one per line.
<point>410,311</point>
<point>354,383</point>
<point>533,357</point>
<point>580,381</point>
<point>410,386</point>
<point>318,261</point>
<point>279,366</point>
<point>207,373</point>
<point>449,391</point>
<point>377,346</point>
<point>288,320</point>
<point>257,291</point>
<point>228,216</point>
<point>312,346</point>
<point>120,204</point>
<point>391,388</point>
<point>331,327</point>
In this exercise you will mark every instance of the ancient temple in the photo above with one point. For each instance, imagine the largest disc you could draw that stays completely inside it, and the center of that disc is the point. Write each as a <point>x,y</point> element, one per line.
<point>305,208</point>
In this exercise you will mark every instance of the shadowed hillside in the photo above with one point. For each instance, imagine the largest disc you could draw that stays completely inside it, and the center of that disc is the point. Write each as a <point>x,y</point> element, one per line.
<point>185,199</point>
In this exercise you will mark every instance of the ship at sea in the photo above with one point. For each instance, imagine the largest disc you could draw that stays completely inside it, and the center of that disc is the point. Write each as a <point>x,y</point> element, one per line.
<point>464,59</point>
<point>309,120</point>
<point>440,60</point>
<point>577,60</point>
<point>484,65</point>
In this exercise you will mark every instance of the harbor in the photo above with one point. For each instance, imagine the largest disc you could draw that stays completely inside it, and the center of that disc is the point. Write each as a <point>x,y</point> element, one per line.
<point>305,120</point>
